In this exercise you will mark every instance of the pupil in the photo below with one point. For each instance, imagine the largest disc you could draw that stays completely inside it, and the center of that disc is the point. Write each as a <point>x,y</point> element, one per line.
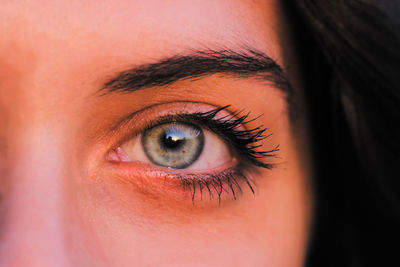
<point>172,142</point>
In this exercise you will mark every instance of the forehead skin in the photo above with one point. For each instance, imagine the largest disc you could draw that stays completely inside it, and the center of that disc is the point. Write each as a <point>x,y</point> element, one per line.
<point>58,34</point>
<point>54,57</point>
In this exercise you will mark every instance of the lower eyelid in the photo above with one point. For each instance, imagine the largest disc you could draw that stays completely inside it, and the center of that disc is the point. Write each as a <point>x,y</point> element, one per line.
<point>227,183</point>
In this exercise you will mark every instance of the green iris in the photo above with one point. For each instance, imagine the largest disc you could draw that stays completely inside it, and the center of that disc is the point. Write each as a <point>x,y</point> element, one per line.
<point>173,145</point>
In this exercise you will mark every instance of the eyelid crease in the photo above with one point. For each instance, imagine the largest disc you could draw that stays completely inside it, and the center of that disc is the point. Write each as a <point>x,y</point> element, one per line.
<point>126,119</point>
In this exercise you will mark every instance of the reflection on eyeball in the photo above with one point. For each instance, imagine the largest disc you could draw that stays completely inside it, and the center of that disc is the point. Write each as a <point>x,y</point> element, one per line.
<point>173,145</point>
<point>178,145</point>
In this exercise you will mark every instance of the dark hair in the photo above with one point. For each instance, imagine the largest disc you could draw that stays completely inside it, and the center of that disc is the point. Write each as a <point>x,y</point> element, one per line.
<point>350,53</point>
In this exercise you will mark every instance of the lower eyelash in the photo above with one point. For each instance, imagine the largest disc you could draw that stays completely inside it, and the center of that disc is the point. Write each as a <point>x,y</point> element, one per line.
<point>227,181</point>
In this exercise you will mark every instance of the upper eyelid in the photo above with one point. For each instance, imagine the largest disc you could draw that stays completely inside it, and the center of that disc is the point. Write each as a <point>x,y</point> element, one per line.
<point>125,121</point>
<point>128,117</point>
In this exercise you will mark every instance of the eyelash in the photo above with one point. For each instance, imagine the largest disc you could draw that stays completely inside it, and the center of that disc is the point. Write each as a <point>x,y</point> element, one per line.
<point>244,141</point>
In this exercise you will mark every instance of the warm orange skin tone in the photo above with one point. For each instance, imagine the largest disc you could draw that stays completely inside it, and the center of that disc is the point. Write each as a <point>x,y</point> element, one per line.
<point>60,206</point>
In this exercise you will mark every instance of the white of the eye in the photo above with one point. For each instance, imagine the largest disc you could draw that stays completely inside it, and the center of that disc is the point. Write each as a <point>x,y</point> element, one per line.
<point>215,153</point>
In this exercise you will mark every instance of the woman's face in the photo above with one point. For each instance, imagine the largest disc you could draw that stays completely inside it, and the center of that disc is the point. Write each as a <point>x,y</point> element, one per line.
<point>124,139</point>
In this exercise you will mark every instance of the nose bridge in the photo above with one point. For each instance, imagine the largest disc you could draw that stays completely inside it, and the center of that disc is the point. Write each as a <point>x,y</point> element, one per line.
<point>32,229</point>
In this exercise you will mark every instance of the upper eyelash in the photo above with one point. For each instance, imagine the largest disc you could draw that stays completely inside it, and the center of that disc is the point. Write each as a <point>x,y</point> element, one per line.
<point>245,141</point>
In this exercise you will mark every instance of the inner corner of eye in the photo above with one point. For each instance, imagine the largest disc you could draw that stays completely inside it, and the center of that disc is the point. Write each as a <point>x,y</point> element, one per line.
<point>117,155</point>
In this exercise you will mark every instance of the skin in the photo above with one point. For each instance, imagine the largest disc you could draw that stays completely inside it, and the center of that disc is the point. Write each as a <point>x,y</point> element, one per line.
<point>63,204</point>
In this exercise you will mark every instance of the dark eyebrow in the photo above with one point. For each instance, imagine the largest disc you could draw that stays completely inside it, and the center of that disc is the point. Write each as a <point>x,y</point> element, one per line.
<point>249,63</point>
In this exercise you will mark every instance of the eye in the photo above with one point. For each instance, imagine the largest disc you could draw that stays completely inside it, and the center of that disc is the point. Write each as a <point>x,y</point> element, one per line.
<point>204,149</point>
<point>177,145</point>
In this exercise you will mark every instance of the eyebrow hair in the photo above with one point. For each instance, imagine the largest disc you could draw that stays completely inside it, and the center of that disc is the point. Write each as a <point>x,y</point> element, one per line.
<point>249,63</point>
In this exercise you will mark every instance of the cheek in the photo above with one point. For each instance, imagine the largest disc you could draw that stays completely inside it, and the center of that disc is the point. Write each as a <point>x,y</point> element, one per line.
<point>269,231</point>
